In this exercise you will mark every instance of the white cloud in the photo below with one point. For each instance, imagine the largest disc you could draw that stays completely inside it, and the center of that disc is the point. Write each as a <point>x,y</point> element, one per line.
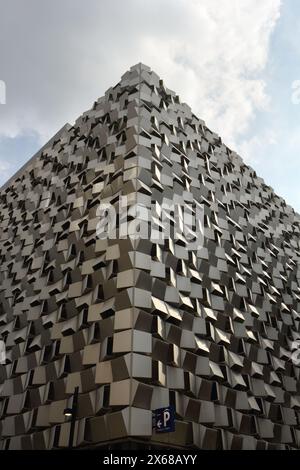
<point>259,145</point>
<point>62,55</point>
<point>4,170</point>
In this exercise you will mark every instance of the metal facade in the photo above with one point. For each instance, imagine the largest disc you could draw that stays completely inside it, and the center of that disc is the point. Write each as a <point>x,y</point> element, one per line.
<point>140,325</point>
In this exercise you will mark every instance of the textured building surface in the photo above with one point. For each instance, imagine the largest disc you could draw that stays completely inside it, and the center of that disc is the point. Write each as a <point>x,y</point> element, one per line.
<point>139,325</point>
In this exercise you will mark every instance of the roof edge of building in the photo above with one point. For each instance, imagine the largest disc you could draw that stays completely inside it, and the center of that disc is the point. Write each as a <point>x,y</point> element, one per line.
<point>64,128</point>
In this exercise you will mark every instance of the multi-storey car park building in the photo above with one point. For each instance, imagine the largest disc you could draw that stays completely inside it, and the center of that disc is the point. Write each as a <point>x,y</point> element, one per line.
<point>141,323</point>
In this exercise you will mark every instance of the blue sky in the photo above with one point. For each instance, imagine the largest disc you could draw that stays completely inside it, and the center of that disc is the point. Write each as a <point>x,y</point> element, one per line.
<point>272,142</point>
<point>234,62</point>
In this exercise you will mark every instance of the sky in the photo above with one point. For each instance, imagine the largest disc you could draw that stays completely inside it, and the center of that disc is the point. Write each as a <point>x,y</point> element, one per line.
<point>235,62</point>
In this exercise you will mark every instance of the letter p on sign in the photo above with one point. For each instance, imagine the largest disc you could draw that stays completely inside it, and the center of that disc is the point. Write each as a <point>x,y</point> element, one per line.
<point>164,419</point>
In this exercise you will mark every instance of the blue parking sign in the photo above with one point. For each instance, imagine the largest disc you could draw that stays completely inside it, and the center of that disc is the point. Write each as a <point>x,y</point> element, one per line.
<point>164,419</point>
